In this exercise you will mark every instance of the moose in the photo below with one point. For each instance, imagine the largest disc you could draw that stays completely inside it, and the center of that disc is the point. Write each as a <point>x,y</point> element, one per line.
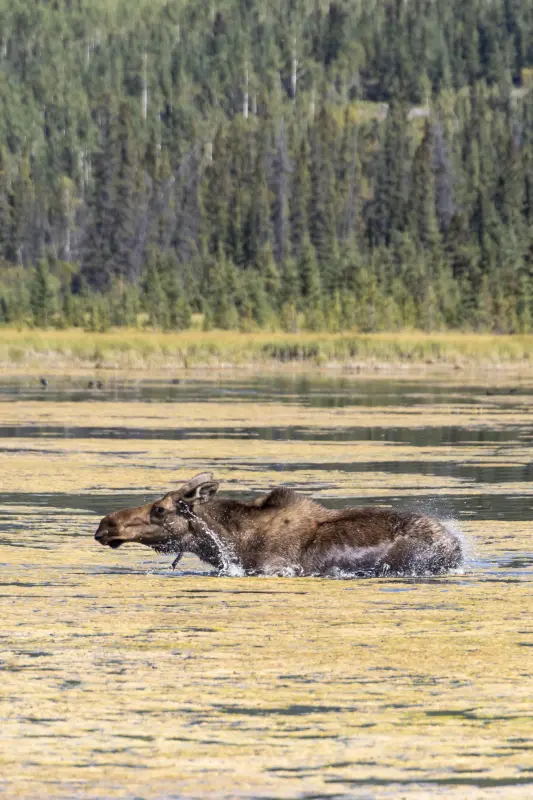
<point>284,533</point>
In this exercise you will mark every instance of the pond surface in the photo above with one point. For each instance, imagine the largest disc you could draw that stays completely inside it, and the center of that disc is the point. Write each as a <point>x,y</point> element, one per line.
<point>123,679</point>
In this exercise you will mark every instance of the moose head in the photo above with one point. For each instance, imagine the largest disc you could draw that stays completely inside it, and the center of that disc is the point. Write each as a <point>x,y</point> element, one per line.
<point>166,524</point>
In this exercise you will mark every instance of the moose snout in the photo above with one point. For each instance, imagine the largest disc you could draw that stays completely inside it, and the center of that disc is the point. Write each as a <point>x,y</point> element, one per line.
<point>106,529</point>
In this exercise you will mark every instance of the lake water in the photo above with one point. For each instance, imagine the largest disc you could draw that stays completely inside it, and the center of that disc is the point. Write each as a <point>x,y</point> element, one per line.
<point>123,679</point>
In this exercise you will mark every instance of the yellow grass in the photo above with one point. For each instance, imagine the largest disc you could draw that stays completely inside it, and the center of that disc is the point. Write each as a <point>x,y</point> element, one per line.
<point>132,349</point>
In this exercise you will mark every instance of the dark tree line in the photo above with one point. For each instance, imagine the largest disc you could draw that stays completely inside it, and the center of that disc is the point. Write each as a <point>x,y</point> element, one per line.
<point>327,165</point>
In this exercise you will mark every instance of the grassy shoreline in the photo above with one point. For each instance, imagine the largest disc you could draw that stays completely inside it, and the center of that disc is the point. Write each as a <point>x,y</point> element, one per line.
<point>135,349</point>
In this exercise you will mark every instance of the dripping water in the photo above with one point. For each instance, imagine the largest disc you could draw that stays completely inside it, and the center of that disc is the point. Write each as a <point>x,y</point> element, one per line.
<point>231,567</point>
<point>230,563</point>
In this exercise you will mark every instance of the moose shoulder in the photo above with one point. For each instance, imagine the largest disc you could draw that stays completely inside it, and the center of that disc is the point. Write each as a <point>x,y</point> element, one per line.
<point>284,532</point>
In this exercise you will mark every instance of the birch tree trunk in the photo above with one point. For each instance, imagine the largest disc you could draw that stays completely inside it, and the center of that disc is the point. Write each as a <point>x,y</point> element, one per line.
<point>245,101</point>
<point>294,69</point>
<point>145,87</point>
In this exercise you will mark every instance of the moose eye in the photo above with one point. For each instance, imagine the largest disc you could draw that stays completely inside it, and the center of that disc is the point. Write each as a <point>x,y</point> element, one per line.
<point>159,511</point>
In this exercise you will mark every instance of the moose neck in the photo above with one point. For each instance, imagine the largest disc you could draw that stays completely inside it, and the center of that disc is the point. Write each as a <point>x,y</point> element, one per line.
<point>207,545</point>
<point>210,537</point>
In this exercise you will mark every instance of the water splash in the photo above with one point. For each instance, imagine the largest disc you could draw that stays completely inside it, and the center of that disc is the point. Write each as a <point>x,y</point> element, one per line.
<point>434,507</point>
<point>451,524</point>
<point>284,571</point>
<point>231,566</point>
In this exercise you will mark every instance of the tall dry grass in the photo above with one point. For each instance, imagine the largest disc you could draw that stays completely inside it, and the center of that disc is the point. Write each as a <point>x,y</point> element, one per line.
<point>124,348</point>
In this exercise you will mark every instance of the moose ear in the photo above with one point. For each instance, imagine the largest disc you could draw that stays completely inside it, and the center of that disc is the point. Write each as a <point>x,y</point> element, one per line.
<point>200,494</point>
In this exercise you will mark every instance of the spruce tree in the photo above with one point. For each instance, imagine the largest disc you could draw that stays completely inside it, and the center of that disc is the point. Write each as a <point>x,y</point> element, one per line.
<point>42,298</point>
<point>322,229</point>
<point>217,194</point>
<point>443,177</point>
<point>422,216</point>
<point>6,200</point>
<point>98,320</point>
<point>222,293</point>
<point>311,288</point>
<point>258,229</point>
<point>155,298</point>
<point>126,260</point>
<point>300,198</point>
<point>179,310</point>
<point>389,206</point>
<point>98,248</point>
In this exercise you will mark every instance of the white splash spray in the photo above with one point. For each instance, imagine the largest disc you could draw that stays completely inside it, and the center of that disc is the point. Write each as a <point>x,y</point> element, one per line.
<point>231,566</point>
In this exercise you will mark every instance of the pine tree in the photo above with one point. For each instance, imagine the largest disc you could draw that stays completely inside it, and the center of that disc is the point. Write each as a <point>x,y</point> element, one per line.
<point>348,180</point>
<point>422,217</point>
<point>235,230</point>
<point>179,310</point>
<point>98,316</point>
<point>321,208</point>
<point>257,311</point>
<point>483,318</point>
<point>258,230</point>
<point>23,232</point>
<point>443,177</point>
<point>290,289</point>
<point>270,275</point>
<point>155,298</point>
<point>311,288</point>
<point>222,293</point>
<point>524,305</point>
<point>127,226</point>
<point>216,194</point>
<point>281,172</point>
<point>6,222</point>
<point>389,207</point>
<point>42,298</point>
<point>18,307</point>
<point>98,249</point>
<point>367,297</point>
<point>69,309</point>
<point>299,199</point>
<point>510,196</point>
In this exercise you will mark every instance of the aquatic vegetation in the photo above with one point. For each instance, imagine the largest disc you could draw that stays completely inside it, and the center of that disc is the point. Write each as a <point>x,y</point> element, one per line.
<point>123,678</point>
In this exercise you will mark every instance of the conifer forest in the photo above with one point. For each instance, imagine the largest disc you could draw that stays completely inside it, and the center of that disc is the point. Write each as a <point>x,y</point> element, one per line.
<point>297,165</point>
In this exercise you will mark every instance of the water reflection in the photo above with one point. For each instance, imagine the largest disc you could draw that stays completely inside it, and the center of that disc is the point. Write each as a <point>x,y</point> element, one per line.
<point>125,679</point>
<point>315,392</point>
<point>423,436</point>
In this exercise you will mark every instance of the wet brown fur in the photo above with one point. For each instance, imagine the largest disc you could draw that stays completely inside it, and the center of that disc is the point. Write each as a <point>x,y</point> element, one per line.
<point>284,532</point>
